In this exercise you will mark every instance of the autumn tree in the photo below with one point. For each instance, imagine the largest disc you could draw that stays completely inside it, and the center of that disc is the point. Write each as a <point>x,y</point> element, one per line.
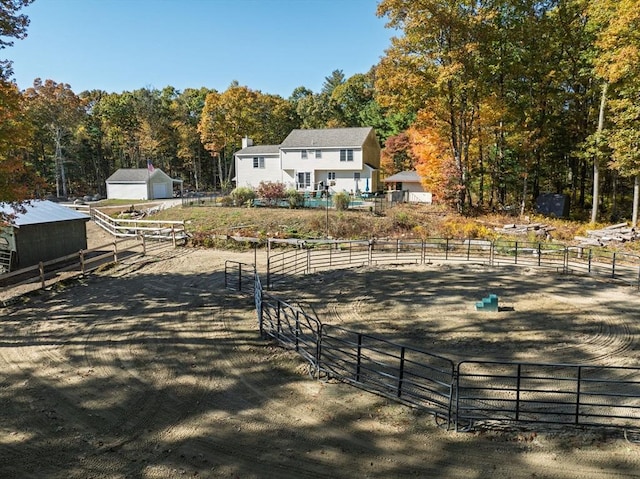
<point>397,155</point>
<point>237,113</point>
<point>55,111</point>
<point>17,177</point>
<point>435,165</point>
<point>617,63</point>
<point>186,112</point>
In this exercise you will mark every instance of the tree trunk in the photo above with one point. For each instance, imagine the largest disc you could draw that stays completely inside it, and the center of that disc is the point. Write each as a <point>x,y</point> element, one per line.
<point>636,194</point>
<point>596,160</point>
<point>524,195</point>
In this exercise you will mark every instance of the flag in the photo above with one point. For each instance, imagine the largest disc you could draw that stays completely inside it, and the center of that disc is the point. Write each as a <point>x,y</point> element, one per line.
<point>150,166</point>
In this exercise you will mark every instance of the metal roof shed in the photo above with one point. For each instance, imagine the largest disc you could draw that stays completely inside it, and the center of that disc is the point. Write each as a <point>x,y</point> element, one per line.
<point>45,231</point>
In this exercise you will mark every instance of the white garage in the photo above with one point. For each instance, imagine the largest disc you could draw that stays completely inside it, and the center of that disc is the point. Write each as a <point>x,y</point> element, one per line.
<point>140,184</point>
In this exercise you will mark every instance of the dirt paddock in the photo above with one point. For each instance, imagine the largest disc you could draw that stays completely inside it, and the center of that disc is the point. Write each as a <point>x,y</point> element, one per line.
<point>152,370</point>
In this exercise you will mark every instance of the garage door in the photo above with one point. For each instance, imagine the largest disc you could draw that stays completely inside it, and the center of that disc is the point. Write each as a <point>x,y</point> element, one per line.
<point>160,190</point>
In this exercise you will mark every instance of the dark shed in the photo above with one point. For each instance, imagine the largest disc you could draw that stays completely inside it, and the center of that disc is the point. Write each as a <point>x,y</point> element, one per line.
<point>45,231</point>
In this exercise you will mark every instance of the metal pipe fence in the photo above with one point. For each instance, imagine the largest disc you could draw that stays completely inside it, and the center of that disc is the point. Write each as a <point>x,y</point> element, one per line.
<point>311,256</point>
<point>547,393</point>
<point>461,393</point>
<point>400,372</point>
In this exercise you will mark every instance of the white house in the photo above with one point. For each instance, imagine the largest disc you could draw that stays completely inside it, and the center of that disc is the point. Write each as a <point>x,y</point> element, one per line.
<point>342,159</point>
<point>407,186</point>
<point>140,184</point>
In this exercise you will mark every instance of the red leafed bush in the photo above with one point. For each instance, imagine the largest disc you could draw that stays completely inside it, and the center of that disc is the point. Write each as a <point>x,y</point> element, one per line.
<point>271,192</point>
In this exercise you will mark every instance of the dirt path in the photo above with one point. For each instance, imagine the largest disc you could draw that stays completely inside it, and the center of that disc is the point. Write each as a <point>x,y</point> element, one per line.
<point>153,370</point>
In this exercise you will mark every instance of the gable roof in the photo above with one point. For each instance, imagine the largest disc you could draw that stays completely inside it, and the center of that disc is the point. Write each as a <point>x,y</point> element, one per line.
<point>42,211</point>
<point>133,175</point>
<point>404,177</point>
<point>327,138</point>
<point>260,150</point>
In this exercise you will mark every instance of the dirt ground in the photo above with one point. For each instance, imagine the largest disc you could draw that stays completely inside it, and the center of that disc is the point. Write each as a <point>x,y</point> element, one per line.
<point>151,369</point>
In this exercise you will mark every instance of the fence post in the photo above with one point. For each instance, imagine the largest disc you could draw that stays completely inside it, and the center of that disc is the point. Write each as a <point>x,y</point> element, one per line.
<point>258,299</point>
<point>240,277</point>
<point>539,254</point>
<point>144,245</point>
<point>516,254</point>
<point>578,395</point>
<point>401,372</point>
<point>468,249</point>
<point>81,253</point>
<point>446,249</point>
<point>115,251</point>
<point>297,332</point>
<point>268,269</point>
<point>519,373</point>
<point>278,320</point>
<point>613,265</point>
<point>173,236</point>
<point>370,251</point>
<point>358,357</point>
<point>41,270</point>
<point>589,268</point>
<point>492,253</point>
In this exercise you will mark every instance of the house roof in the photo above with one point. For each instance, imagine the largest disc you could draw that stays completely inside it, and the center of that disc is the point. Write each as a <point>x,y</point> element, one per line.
<point>42,211</point>
<point>404,177</point>
<point>260,150</point>
<point>133,175</point>
<point>327,138</point>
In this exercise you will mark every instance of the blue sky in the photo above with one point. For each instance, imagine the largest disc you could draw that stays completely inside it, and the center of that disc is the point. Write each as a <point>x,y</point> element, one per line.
<point>268,45</point>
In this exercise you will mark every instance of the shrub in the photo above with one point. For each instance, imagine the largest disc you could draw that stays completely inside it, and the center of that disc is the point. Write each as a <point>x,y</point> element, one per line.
<point>243,195</point>
<point>271,192</point>
<point>226,200</point>
<point>295,199</point>
<point>341,200</point>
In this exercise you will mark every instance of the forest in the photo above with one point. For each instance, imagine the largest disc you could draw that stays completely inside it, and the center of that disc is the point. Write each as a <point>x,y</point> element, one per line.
<point>493,102</point>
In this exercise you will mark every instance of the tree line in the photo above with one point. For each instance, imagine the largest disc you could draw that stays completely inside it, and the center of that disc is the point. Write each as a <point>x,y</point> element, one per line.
<point>493,102</point>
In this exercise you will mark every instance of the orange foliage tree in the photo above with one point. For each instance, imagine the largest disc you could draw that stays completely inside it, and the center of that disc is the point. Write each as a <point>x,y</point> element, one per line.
<point>397,155</point>
<point>435,164</point>
<point>17,180</point>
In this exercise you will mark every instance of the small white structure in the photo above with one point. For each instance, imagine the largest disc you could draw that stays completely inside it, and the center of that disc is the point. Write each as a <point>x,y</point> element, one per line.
<point>409,187</point>
<point>140,184</point>
<point>340,159</point>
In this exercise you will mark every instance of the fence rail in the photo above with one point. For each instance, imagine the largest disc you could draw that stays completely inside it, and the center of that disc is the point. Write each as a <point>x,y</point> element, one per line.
<point>548,393</point>
<point>311,256</point>
<point>84,261</point>
<point>469,391</point>
<point>150,229</point>
<point>402,373</point>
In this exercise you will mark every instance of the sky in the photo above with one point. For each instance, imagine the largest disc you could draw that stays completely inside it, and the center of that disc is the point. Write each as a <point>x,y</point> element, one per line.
<point>269,45</point>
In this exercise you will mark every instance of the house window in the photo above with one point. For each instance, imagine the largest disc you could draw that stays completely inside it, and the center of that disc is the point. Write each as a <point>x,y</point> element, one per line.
<point>318,154</point>
<point>258,161</point>
<point>331,175</point>
<point>303,154</point>
<point>304,179</point>
<point>346,155</point>
<point>356,175</point>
